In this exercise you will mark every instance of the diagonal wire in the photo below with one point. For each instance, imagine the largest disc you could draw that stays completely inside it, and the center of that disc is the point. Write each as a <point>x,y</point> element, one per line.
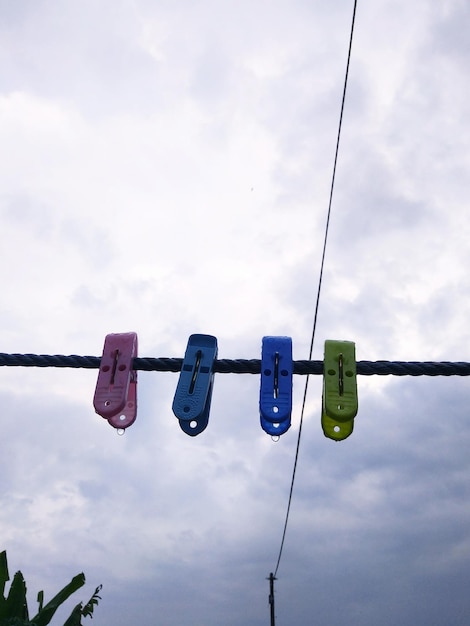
<point>319,288</point>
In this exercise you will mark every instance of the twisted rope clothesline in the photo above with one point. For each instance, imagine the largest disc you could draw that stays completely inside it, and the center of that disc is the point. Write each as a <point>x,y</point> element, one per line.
<point>243,366</point>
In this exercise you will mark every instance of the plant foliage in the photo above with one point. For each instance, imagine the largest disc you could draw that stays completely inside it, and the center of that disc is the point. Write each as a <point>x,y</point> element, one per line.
<point>14,606</point>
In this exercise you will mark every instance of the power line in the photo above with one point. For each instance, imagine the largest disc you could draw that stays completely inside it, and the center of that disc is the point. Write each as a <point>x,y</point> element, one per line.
<point>319,286</point>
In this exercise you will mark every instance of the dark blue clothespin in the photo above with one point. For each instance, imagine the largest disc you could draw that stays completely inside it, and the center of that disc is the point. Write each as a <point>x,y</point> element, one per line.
<point>192,400</point>
<point>275,400</point>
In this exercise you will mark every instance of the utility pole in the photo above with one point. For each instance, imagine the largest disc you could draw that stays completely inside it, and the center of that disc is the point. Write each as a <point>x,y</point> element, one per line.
<point>271,579</point>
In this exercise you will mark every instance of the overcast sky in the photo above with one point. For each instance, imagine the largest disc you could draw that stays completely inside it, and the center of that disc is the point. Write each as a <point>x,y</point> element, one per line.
<point>165,168</point>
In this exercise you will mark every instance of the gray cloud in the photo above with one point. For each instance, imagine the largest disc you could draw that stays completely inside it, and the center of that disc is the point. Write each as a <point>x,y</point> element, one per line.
<point>166,170</point>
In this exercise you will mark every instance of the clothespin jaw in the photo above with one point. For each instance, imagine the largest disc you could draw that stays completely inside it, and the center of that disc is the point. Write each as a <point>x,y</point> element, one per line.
<point>339,401</point>
<point>193,395</point>
<point>116,389</point>
<point>275,401</point>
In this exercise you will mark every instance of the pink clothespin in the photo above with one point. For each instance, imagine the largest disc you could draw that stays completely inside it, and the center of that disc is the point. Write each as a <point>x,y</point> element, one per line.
<point>116,389</point>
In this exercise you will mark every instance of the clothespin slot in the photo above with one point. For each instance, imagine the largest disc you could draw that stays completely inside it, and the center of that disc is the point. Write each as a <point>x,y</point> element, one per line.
<point>116,389</point>
<point>193,395</point>
<point>275,402</point>
<point>339,401</point>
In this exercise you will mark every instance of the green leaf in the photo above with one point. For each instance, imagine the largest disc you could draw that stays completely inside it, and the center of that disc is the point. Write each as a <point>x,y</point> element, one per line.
<point>15,605</point>
<point>4,575</point>
<point>40,600</point>
<point>75,616</point>
<point>47,613</point>
<point>89,607</point>
<point>14,608</point>
<point>14,621</point>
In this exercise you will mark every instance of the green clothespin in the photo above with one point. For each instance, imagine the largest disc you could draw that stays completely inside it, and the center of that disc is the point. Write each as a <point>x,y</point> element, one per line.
<point>339,401</point>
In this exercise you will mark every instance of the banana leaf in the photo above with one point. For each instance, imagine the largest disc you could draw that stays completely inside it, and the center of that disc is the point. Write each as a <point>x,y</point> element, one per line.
<point>4,575</point>
<point>15,604</point>
<point>75,618</point>
<point>47,613</point>
<point>89,607</point>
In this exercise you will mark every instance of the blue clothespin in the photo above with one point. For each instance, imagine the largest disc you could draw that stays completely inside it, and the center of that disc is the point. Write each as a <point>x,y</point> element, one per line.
<point>192,400</point>
<point>275,400</point>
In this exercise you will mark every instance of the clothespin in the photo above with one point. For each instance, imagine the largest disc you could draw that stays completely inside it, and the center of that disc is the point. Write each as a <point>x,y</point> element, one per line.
<point>193,395</point>
<point>275,400</point>
<point>339,401</point>
<point>116,389</point>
